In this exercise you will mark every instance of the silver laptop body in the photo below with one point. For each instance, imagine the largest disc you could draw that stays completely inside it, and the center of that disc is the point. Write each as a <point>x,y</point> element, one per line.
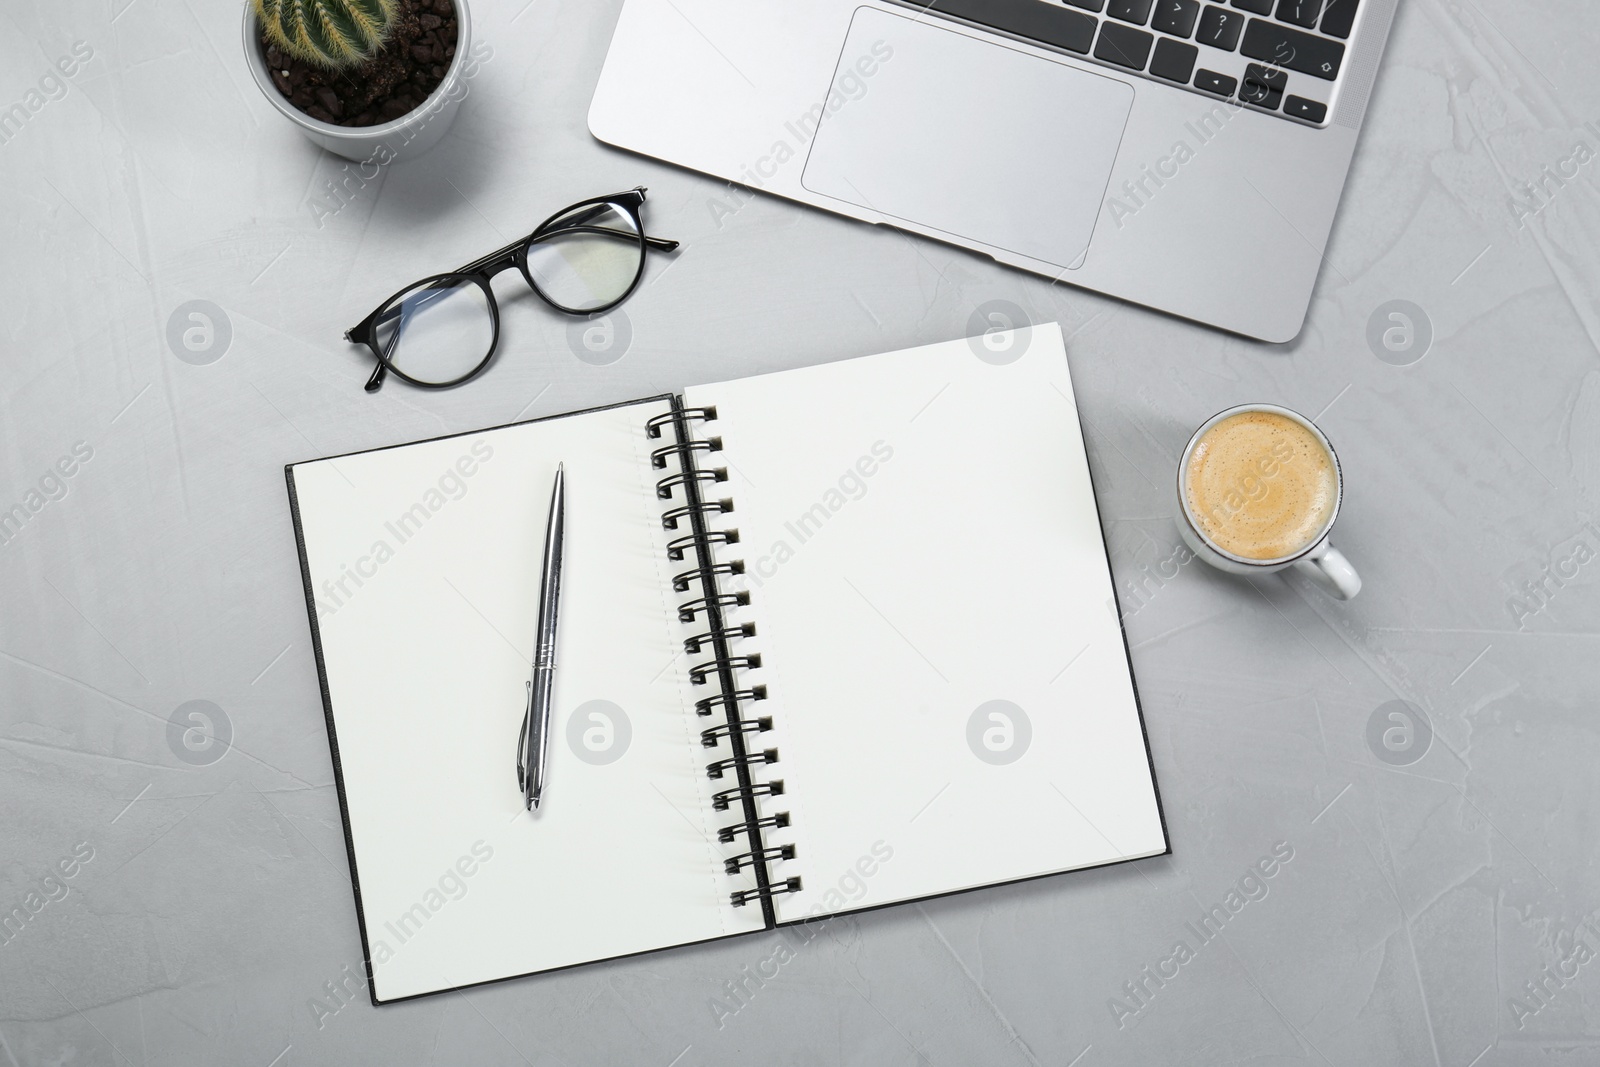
<point>1183,155</point>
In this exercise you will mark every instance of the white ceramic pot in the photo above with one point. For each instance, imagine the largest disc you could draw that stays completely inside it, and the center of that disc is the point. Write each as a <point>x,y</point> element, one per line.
<point>409,135</point>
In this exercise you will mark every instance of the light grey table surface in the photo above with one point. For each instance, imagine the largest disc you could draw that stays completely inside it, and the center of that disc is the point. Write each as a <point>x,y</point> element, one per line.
<point>1438,904</point>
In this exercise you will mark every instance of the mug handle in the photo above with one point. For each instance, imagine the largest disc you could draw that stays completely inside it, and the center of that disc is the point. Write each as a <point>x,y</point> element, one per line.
<point>1330,570</point>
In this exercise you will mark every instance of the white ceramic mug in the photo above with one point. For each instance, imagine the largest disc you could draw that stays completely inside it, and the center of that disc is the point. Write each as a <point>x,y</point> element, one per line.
<point>1318,560</point>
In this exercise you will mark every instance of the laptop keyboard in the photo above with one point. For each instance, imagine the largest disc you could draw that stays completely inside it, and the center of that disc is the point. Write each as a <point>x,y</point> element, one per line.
<point>1281,56</point>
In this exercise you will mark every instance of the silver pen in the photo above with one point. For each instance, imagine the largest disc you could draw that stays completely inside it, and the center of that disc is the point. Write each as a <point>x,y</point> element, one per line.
<point>534,743</point>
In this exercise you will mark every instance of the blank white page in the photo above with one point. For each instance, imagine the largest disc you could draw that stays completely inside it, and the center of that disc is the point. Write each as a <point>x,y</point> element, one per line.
<point>921,540</point>
<point>426,664</point>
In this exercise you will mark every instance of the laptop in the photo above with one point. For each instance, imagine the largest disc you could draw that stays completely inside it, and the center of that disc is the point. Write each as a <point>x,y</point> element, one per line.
<point>1180,154</point>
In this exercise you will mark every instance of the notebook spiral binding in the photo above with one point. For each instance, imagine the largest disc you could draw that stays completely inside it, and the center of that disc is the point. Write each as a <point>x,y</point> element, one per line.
<point>689,484</point>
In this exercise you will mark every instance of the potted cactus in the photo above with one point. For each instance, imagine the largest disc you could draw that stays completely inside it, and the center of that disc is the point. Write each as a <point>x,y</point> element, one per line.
<point>366,79</point>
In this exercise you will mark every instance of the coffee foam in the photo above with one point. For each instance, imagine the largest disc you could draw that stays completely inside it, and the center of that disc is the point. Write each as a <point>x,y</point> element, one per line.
<point>1261,486</point>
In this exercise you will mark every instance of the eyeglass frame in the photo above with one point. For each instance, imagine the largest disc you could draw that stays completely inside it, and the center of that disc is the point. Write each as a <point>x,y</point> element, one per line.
<point>482,271</point>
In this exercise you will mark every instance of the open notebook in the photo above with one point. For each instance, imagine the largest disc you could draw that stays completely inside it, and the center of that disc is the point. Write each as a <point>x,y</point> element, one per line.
<point>831,639</point>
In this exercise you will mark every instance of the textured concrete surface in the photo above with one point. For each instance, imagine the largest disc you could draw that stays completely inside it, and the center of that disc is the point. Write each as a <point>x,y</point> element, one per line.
<point>1440,901</point>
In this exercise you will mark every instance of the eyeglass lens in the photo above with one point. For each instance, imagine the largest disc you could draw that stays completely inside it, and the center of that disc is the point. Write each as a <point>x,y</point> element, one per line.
<point>588,258</point>
<point>438,331</point>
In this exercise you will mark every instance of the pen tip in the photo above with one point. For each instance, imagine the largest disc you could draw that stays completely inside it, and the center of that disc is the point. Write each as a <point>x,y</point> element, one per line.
<point>535,806</point>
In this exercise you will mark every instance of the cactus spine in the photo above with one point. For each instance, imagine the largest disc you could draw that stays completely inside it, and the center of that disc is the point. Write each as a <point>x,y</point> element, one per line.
<point>333,33</point>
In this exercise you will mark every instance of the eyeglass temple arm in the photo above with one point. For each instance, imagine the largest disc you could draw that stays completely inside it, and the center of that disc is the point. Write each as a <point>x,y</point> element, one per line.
<point>381,372</point>
<point>659,244</point>
<point>576,222</point>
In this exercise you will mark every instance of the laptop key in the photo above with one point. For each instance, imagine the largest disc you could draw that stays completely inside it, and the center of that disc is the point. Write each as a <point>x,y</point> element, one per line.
<point>1301,108</point>
<point>1340,17</point>
<point>1258,7</point>
<point>1283,47</point>
<point>1220,28</point>
<point>1271,77</point>
<point>1212,82</point>
<point>1057,26</point>
<point>1135,11</point>
<point>1088,5</point>
<point>1176,17</point>
<point>1123,45</point>
<point>1253,92</point>
<point>1299,12</point>
<point>1263,86</point>
<point>1174,60</point>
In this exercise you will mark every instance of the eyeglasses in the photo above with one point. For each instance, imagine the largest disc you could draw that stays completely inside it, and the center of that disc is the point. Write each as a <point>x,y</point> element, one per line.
<point>442,331</point>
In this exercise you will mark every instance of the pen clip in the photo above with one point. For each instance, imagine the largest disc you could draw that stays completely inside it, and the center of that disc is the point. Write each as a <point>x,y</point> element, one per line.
<point>522,745</point>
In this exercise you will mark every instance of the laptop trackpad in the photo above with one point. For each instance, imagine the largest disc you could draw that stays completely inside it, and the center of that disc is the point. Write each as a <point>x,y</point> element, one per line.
<point>980,140</point>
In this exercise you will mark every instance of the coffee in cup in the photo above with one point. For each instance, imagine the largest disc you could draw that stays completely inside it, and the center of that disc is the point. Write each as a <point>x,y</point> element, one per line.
<point>1259,488</point>
<point>1260,485</point>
